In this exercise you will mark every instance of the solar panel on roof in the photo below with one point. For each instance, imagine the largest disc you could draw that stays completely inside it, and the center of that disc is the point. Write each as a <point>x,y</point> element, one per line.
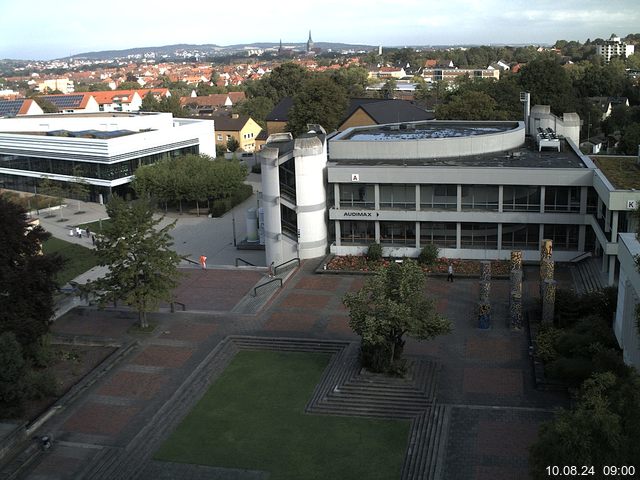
<point>67,101</point>
<point>10,108</point>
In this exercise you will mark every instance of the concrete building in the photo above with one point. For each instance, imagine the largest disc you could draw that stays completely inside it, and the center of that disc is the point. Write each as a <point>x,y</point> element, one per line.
<point>474,189</point>
<point>451,74</point>
<point>64,85</point>
<point>625,325</point>
<point>103,149</point>
<point>614,47</point>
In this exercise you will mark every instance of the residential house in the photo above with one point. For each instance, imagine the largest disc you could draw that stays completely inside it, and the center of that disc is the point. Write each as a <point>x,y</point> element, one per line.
<point>607,104</point>
<point>73,102</point>
<point>19,107</point>
<point>118,100</point>
<point>64,85</point>
<point>241,127</point>
<point>278,118</point>
<point>374,111</point>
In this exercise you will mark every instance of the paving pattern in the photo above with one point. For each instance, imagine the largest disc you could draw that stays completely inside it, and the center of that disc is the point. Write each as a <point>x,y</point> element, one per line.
<point>480,415</point>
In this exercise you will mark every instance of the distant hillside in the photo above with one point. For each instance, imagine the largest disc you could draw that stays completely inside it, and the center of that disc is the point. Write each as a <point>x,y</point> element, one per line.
<point>208,49</point>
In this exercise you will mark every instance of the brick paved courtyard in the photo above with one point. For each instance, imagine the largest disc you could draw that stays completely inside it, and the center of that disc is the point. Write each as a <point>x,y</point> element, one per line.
<point>485,375</point>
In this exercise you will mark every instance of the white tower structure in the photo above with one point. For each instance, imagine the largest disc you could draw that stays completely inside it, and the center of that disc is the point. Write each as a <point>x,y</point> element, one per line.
<point>294,196</point>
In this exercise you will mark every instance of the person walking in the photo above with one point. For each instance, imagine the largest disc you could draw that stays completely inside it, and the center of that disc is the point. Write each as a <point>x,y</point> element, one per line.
<point>450,276</point>
<point>203,262</point>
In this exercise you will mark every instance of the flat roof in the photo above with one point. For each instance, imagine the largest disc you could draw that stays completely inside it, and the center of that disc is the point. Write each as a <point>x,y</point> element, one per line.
<point>427,130</point>
<point>526,156</point>
<point>622,172</point>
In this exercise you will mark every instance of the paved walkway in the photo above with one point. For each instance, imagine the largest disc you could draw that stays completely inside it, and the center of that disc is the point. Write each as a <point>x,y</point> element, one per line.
<point>486,376</point>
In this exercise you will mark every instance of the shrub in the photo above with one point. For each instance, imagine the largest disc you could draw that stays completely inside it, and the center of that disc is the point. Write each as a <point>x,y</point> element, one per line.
<point>12,371</point>
<point>41,384</point>
<point>428,255</point>
<point>570,370</point>
<point>545,341</point>
<point>374,253</point>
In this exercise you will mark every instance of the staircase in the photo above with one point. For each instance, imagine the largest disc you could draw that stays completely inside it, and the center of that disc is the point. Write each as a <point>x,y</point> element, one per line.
<point>587,276</point>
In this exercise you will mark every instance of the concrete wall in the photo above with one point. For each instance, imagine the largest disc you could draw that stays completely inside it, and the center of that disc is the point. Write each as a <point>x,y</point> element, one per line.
<point>343,148</point>
<point>628,297</point>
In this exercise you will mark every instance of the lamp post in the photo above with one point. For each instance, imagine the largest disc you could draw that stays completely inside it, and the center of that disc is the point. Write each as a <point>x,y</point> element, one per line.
<point>233,226</point>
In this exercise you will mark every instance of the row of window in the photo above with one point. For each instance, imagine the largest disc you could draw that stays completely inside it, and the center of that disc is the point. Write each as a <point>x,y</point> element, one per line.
<point>474,197</point>
<point>102,171</point>
<point>473,235</point>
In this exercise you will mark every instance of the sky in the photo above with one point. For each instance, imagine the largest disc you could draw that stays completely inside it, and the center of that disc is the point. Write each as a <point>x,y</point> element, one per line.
<point>43,30</point>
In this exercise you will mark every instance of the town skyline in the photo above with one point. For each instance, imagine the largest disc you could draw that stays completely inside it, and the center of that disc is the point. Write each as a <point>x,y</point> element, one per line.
<point>54,33</point>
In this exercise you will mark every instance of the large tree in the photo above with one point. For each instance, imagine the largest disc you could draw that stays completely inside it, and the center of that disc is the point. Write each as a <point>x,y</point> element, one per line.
<point>320,101</point>
<point>27,278</point>
<point>393,304</point>
<point>143,269</point>
<point>549,84</point>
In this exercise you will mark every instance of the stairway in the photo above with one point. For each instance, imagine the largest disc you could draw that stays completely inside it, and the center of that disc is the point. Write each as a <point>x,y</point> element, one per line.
<point>588,276</point>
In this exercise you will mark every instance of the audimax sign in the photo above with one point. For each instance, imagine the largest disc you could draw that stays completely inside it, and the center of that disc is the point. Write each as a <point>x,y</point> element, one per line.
<point>359,214</point>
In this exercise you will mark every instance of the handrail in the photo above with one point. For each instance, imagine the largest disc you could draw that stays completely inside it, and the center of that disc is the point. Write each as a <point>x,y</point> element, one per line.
<point>275,269</point>
<point>189,260</point>
<point>255,290</point>
<point>580,257</point>
<point>243,261</point>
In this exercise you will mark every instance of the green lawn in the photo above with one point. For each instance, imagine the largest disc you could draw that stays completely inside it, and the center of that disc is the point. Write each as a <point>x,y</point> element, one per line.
<point>253,418</point>
<point>95,226</point>
<point>79,259</point>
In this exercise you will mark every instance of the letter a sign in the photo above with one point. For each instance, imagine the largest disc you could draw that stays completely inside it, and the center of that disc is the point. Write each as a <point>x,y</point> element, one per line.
<point>355,177</point>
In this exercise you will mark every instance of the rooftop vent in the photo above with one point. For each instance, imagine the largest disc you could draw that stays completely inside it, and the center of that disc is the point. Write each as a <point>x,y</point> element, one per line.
<point>280,137</point>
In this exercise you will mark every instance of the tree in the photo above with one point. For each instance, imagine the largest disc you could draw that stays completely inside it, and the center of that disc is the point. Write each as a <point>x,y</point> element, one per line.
<point>13,369</point>
<point>286,80</point>
<point>46,105</point>
<point>257,108</point>
<point>232,144</point>
<point>388,90</point>
<point>27,278</point>
<point>129,85</point>
<point>468,105</point>
<point>143,269</point>
<point>390,305</point>
<point>602,429</point>
<point>549,84</point>
<point>630,141</point>
<point>320,101</point>
<point>353,79</point>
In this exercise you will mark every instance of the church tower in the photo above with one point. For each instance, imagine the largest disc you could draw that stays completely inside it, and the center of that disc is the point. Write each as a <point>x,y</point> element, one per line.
<point>309,43</point>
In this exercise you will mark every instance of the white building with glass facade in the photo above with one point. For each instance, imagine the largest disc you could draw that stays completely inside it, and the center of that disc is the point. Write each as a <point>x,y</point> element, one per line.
<point>474,189</point>
<point>103,149</point>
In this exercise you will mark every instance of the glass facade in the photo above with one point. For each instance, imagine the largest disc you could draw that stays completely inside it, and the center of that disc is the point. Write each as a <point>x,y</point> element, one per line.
<point>565,237</point>
<point>289,221</point>
<point>287,173</point>
<point>398,196</point>
<point>438,197</point>
<point>96,170</point>
<point>357,233</point>
<point>562,199</point>
<point>479,235</point>
<point>357,196</point>
<point>398,233</point>
<point>442,235</point>
<point>523,236</point>
<point>480,197</point>
<point>520,198</point>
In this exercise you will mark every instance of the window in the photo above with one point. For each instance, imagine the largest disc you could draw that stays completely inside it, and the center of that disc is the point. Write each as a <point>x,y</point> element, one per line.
<point>357,195</point>
<point>520,199</point>
<point>438,197</point>
<point>287,172</point>
<point>357,232</point>
<point>398,233</point>
<point>289,221</point>
<point>479,235</point>
<point>523,236</point>
<point>220,137</point>
<point>442,235</point>
<point>398,196</point>
<point>228,137</point>
<point>564,237</point>
<point>480,197</point>
<point>562,199</point>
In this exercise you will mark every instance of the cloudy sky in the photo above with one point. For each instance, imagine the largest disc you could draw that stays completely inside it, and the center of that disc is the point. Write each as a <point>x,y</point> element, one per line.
<point>40,29</point>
